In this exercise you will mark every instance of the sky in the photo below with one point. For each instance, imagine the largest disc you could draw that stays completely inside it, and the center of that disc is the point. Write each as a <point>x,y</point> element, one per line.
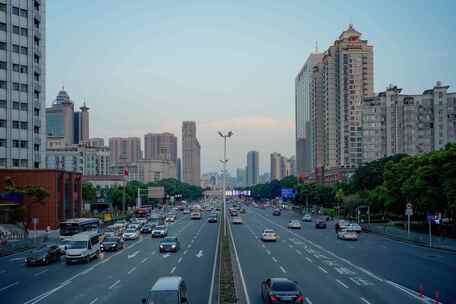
<point>145,66</point>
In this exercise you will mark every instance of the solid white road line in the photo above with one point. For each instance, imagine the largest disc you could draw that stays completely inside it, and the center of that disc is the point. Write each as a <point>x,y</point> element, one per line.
<point>114,284</point>
<point>214,265</point>
<point>322,269</point>
<point>309,260</point>
<point>274,259</point>
<point>93,301</point>
<point>410,292</point>
<point>179,260</point>
<point>283,269</point>
<point>130,256</point>
<point>364,300</point>
<point>131,270</point>
<point>173,269</point>
<point>8,286</point>
<point>15,259</point>
<point>341,283</point>
<point>46,294</point>
<point>308,301</point>
<point>244,286</point>
<point>41,272</point>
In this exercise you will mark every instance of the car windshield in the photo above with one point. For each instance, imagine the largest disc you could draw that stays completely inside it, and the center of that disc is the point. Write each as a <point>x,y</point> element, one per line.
<point>268,231</point>
<point>76,245</point>
<point>170,240</point>
<point>283,286</point>
<point>110,240</point>
<point>163,297</point>
<point>130,231</point>
<point>159,227</point>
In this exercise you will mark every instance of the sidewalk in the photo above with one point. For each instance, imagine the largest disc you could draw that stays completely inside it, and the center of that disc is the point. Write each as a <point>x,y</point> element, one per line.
<point>416,238</point>
<point>35,239</point>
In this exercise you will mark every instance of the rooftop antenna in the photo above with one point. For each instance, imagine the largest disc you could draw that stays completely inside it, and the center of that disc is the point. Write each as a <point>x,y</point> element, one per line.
<point>316,46</point>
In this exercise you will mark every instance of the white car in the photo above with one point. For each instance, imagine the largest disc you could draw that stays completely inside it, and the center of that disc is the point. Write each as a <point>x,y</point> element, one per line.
<point>307,218</point>
<point>186,211</point>
<point>130,234</point>
<point>195,216</point>
<point>354,227</point>
<point>269,235</point>
<point>159,231</point>
<point>294,224</point>
<point>347,235</point>
<point>170,218</point>
<point>236,220</point>
<point>135,226</point>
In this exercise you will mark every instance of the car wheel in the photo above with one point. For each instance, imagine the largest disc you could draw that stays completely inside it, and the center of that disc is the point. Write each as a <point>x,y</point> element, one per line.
<point>87,259</point>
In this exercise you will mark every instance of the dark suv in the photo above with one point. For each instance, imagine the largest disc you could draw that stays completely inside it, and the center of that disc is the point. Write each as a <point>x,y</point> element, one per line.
<point>276,212</point>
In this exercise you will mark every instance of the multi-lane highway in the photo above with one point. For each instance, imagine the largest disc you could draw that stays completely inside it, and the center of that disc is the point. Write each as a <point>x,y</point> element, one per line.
<point>119,277</point>
<point>370,270</point>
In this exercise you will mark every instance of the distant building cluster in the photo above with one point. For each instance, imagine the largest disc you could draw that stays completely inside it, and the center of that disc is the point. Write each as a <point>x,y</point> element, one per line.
<point>341,123</point>
<point>281,166</point>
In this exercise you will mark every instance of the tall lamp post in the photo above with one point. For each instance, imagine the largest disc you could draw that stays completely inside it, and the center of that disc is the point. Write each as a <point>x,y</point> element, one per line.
<point>224,161</point>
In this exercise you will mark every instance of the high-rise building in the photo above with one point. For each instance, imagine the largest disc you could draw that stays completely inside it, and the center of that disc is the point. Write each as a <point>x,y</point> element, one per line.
<point>347,77</point>
<point>317,118</point>
<point>398,123</point>
<point>22,86</point>
<point>96,142</point>
<point>275,166</point>
<point>191,154</point>
<point>253,169</point>
<point>125,150</point>
<point>303,112</point>
<point>281,166</point>
<point>81,125</point>
<point>179,169</point>
<point>161,146</point>
<point>265,178</point>
<point>240,177</point>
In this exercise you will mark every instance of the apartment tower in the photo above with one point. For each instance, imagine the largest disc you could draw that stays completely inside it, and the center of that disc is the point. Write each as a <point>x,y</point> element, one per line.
<point>191,154</point>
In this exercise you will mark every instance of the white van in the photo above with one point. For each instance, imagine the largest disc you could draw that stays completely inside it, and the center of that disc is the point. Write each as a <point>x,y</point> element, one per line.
<point>82,247</point>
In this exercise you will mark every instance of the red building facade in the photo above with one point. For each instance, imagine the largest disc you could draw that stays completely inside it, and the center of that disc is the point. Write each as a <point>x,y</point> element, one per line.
<point>65,194</point>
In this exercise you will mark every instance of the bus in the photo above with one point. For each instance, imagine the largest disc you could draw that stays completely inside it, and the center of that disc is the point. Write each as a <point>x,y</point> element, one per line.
<point>142,212</point>
<point>74,226</point>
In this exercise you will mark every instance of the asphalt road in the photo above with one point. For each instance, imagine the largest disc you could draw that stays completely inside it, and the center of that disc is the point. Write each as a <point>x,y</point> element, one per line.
<point>117,277</point>
<point>370,270</point>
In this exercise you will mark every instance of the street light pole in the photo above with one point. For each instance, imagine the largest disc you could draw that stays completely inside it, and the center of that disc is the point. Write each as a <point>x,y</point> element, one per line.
<point>224,161</point>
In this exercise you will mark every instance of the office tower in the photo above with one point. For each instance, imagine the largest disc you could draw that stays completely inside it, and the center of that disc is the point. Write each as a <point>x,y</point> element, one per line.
<point>304,131</point>
<point>179,169</point>
<point>398,123</point>
<point>162,146</point>
<point>253,170</point>
<point>60,121</point>
<point>125,150</point>
<point>240,177</point>
<point>275,166</point>
<point>317,118</point>
<point>292,161</point>
<point>81,125</point>
<point>22,86</point>
<point>191,154</point>
<point>347,77</point>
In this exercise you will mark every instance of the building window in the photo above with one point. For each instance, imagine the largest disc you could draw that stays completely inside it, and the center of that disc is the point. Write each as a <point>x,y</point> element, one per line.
<point>36,147</point>
<point>16,86</point>
<point>2,123</point>
<point>3,104</point>
<point>24,106</point>
<point>2,65</point>
<point>3,26</point>
<point>2,84</point>
<point>15,124</point>
<point>16,105</point>
<point>36,112</point>
<point>24,163</point>
<point>15,11</point>
<point>15,144</point>
<point>24,31</point>
<point>2,162</point>
<point>24,144</point>
<point>2,45</point>
<point>36,130</point>
<point>2,7</point>
<point>23,13</point>
<point>24,69</point>
<point>37,165</point>
<point>15,48</point>
<point>24,50</point>
<point>24,87</point>
<point>24,125</point>
<point>16,68</point>
<point>16,29</point>
<point>2,142</point>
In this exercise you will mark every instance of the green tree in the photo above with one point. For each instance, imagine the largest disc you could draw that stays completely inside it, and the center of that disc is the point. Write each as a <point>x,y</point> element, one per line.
<point>89,192</point>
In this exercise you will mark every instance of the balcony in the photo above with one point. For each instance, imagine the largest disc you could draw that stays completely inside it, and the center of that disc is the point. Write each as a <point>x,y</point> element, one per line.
<point>37,104</point>
<point>37,86</point>
<point>37,122</point>
<point>37,51</point>
<point>37,34</point>
<point>37,68</point>
<point>37,16</point>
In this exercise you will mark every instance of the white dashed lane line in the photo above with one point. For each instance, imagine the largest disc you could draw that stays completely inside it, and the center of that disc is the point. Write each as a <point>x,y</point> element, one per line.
<point>309,260</point>
<point>268,252</point>
<point>364,300</point>
<point>173,269</point>
<point>341,283</point>
<point>144,260</point>
<point>283,269</point>
<point>322,269</point>
<point>274,259</point>
<point>185,252</point>
<point>179,260</point>
<point>93,301</point>
<point>131,270</point>
<point>308,301</point>
<point>298,252</point>
<point>114,284</point>
<point>41,272</point>
<point>9,286</point>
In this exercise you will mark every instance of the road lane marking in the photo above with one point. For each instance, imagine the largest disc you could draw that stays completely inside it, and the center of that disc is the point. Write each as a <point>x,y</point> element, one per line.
<point>131,270</point>
<point>214,265</point>
<point>179,260</point>
<point>262,245</point>
<point>298,252</point>
<point>308,301</point>
<point>341,283</point>
<point>244,286</point>
<point>189,246</point>
<point>165,255</point>
<point>144,260</point>
<point>93,301</point>
<point>309,260</point>
<point>410,292</point>
<point>289,245</point>
<point>199,254</point>
<point>185,251</point>
<point>283,269</point>
<point>173,269</point>
<point>114,284</point>
<point>322,269</point>
<point>41,272</point>
<point>268,251</point>
<point>364,300</point>
<point>15,259</point>
<point>87,270</point>
<point>46,294</point>
<point>8,286</point>
<point>274,259</point>
<point>130,256</point>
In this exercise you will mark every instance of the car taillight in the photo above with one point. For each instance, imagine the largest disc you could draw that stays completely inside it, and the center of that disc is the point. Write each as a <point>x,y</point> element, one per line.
<point>274,299</point>
<point>300,299</point>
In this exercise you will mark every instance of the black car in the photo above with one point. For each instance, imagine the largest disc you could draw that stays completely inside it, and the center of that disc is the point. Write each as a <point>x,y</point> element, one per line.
<point>111,244</point>
<point>43,255</point>
<point>212,219</point>
<point>147,228</point>
<point>281,290</point>
<point>320,224</point>
<point>276,212</point>
<point>170,243</point>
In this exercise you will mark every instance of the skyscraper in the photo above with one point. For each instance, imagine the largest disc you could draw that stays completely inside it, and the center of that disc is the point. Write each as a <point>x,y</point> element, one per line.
<point>162,146</point>
<point>191,154</point>
<point>281,166</point>
<point>347,77</point>
<point>252,170</point>
<point>275,166</point>
<point>81,125</point>
<point>179,169</point>
<point>240,177</point>
<point>125,150</point>
<point>60,121</point>
<point>304,131</point>
<point>22,88</point>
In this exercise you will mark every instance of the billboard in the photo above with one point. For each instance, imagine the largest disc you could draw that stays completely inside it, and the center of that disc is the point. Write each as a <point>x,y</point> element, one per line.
<point>10,198</point>
<point>156,192</point>
<point>287,193</point>
<point>237,193</point>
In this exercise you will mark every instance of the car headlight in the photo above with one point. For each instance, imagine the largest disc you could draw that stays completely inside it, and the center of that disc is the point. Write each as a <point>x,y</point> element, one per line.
<point>44,259</point>
<point>161,246</point>
<point>173,246</point>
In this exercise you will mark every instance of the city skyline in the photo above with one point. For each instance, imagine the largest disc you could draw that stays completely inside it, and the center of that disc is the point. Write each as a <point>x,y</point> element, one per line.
<point>155,84</point>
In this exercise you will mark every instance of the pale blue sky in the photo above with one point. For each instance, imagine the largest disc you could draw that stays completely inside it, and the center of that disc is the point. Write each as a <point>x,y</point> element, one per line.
<point>144,66</point>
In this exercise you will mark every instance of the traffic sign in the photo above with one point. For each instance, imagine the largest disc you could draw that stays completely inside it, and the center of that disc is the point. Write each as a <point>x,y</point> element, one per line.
<point>409,211</point>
